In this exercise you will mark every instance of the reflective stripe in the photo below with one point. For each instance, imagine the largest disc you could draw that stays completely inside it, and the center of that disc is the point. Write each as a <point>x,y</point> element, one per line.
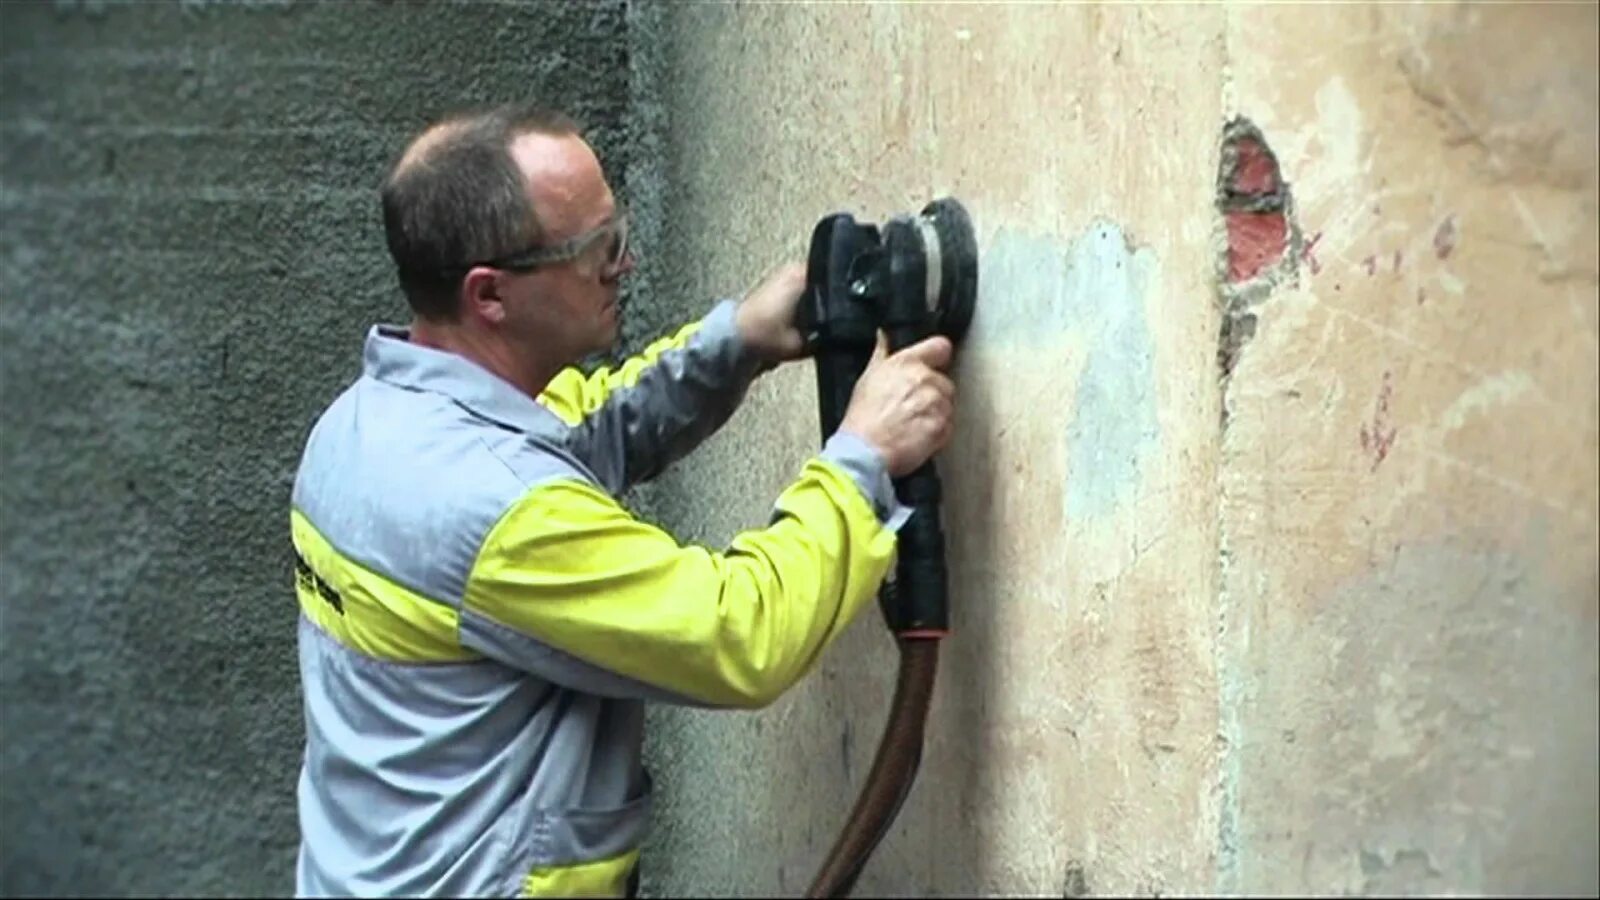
<point>631,423</point>
<point>601,878</point>
<point>570,567</point>
<point>573,396</point>
<point>366,611</point>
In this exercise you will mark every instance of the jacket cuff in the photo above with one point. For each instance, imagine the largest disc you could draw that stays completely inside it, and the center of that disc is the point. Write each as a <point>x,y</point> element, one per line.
<point>721,327</point>
<point>866,467</point>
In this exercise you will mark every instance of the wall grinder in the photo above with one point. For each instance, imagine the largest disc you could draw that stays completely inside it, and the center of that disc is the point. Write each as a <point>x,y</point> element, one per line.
<point>914,277</point>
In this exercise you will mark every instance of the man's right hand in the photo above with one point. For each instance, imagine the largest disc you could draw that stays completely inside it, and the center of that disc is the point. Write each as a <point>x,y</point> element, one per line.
<point>904,404</point>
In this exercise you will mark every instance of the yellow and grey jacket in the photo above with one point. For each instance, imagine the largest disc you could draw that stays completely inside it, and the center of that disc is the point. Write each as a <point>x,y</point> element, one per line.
<point>481,619</point>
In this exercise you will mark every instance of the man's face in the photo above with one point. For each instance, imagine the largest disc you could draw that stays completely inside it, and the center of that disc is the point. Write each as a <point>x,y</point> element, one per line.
<point>570,306</point>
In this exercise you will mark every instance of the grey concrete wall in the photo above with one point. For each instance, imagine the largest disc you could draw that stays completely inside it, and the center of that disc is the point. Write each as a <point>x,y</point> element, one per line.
<point>192,253</point>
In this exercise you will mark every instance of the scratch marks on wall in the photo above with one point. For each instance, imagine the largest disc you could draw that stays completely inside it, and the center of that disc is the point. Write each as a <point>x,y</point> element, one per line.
<point>1042,294</point>
<point>1308,253</point>
<point>1444,238</point>
<point>1378,435</point>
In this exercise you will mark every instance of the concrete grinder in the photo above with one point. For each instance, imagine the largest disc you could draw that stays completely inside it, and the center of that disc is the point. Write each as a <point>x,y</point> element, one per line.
<point>915,277</point>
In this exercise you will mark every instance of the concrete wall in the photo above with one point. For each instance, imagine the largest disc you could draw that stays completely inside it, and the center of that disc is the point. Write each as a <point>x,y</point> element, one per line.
<point>192,253</point>
<point>1273,505</point>
<point>1273,509</point>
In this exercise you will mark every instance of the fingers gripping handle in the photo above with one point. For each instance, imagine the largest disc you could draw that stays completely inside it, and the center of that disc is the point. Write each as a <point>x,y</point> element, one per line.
<point>916,603</point>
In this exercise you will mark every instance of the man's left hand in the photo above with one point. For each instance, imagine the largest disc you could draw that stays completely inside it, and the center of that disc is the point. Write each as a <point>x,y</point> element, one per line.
<point>766,315</point>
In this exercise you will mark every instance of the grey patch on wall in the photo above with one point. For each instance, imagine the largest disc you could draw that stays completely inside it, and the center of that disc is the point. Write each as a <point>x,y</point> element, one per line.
<point>1440,747</point>
<point>1037,292</point>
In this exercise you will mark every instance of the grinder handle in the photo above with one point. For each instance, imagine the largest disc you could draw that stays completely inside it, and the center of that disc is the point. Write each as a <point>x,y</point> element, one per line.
<point>918,607</point>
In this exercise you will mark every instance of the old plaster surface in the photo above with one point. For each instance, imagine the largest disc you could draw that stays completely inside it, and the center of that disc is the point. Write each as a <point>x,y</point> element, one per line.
<point>1315,614</point>
<point>1306,603</point>
<point>1075,715</point>
<point>1408,664</point>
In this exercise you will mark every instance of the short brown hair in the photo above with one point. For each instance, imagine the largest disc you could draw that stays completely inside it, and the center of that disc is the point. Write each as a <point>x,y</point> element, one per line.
<point>456,196</point>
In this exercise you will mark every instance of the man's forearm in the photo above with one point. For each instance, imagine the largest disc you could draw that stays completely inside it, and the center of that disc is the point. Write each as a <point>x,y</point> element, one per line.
<point>634,420</point>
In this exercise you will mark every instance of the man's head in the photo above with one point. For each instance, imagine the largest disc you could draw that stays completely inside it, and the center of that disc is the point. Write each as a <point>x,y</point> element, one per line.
<point>502,226</point>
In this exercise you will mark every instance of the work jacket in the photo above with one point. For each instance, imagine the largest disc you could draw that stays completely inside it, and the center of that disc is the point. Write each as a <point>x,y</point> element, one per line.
<point>481,619</point>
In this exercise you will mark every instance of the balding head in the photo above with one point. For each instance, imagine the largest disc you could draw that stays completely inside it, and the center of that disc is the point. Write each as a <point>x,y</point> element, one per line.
<point>457,196</point>
<point>430,140</point>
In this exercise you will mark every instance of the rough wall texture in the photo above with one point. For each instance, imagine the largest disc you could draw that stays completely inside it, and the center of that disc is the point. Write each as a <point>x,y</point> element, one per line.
<point>1072,743</point>
<point>1273,511</point>
<point>1409,466</point>
<point>192,253</point>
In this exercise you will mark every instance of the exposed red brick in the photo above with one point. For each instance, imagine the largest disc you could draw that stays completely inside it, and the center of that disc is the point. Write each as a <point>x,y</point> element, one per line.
<point>1255,242</point>
<point>1255,170</point>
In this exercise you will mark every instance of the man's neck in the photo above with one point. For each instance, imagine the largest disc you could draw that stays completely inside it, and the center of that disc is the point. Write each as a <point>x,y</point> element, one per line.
<point>491,354</point>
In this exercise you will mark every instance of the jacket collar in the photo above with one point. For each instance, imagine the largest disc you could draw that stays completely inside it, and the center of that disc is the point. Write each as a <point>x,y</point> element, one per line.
<point>390,356</point>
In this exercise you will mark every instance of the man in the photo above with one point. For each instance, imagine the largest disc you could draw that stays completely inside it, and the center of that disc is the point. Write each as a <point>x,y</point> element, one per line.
<point>480,618</point>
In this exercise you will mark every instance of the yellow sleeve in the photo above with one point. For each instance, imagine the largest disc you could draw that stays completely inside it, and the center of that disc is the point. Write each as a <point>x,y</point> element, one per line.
<point>571,569</point>
<point>574,396</point>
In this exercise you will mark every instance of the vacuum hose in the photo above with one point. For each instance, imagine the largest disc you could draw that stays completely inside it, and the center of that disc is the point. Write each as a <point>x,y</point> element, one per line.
<point>893,771</point>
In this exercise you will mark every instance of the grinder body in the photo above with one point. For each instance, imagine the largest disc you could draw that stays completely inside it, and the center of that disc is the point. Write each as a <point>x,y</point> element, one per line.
<point>913,278</point>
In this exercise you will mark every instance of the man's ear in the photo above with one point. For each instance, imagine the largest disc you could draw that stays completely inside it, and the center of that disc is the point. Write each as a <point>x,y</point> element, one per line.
<point>480,295</point>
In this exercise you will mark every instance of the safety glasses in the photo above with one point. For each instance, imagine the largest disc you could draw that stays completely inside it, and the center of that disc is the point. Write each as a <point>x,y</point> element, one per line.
<point>614,230</point>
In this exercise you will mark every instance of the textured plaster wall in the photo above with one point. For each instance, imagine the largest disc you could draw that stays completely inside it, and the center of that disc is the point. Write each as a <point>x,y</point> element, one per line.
<point>192,252</point>
<point>1073,738</point>
<point>1327,623</point>
<point>1409,480</point>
